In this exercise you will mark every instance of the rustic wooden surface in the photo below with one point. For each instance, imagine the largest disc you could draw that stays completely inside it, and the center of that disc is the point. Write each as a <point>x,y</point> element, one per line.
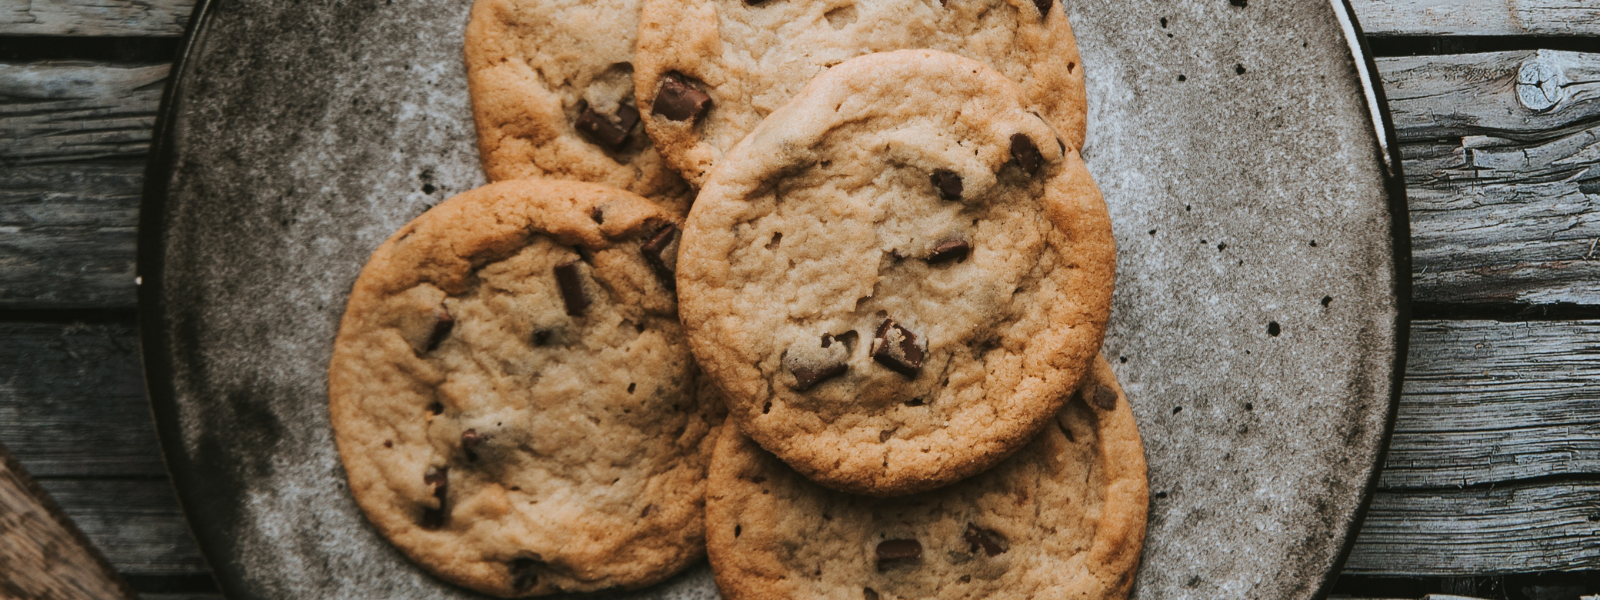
<point>43,555</point>
<point>1494,467</point>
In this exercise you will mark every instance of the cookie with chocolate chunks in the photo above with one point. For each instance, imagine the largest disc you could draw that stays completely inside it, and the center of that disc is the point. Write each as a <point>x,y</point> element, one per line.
<point>551,83</point>
<point>1064,517</point>
<point>889,298</point>
<point>708,71</point>
<point>513,397</point>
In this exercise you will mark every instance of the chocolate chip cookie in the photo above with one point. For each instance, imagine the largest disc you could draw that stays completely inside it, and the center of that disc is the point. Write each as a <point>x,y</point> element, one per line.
<point>513,398</point>
<point>1062,518</point>
<point>710,70</point>
<point>899,276</point>
<point>552,95</point>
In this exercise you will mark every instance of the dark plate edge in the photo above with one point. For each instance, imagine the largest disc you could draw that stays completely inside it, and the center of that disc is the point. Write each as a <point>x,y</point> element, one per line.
<point>158,367</point>
<point>1388,157</point>
<point>154,343</point>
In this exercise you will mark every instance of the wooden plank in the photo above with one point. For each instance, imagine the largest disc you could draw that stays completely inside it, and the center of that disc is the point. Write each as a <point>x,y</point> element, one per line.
<point>1477,17</point>
<point>60,112</point>
<point>73,137</point>
<point>1509,529</point>
<point>1487,402</point>
<point>1434,97</point>
<point>43,555</point>
<point>1501,195</point>
<point>136,523</point>
<point>128,18</point>
<point>68,234</point>
<point>72,401</point>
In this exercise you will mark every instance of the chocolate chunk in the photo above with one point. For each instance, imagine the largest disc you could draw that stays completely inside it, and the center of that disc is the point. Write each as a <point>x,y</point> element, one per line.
<point>896,347</point>
<point>662,254</point>
<point>990,541</point>
<point>805,377</point>
<point>541,337</point>
<point>1044,7</point>
<point>896,551</point>
<point>442,324</point>
<point>602,131</point>
<point>869,594</point>
<point>1026,154</point>
<point>678,101</point>
<point>1101,397</point>
<point>569,275</point>
<point>948,183</point>
<point>525,573</point>
<point>627,116</point>
<point>948,250</point>
<point>439,478</point>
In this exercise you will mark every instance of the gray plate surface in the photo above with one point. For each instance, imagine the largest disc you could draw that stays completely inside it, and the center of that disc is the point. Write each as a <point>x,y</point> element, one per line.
<point>1258,321</point>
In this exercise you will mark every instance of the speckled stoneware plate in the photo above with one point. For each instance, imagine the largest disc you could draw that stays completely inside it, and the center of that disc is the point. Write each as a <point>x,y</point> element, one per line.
<point>1258,326</point>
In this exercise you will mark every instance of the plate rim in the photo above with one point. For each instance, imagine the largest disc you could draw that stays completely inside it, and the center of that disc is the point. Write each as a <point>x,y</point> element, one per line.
<point>158,364</point>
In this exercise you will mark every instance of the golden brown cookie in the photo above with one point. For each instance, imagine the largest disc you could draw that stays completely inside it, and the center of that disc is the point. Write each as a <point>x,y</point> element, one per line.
<point>552,95</point>
<point>898,278</point>
<point>1062,518</point>
<point>513,398</point>
<point>710,70</point>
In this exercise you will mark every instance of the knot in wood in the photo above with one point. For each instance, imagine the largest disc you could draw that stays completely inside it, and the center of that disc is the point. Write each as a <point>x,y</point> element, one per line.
<point>1539,84</point>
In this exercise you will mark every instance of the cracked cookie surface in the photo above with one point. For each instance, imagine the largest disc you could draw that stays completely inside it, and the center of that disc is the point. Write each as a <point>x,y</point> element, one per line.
<point>551,83</point>
<point>749,58</point>
<point>1064,517</point>
<point>513,398</point>
<point>899,276</point>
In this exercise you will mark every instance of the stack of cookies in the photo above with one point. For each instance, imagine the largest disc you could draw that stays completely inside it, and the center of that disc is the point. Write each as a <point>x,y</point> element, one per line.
<point>859,233</point>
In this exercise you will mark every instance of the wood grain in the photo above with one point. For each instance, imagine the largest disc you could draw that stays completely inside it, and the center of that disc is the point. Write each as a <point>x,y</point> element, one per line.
<point>1501,196</point>
<point>61,112</point>
<point>41,555</point>
<point>144,18</point>
<point>73,138</point>
<point>1506,529</point>
<point>68,234</point>
<point>73,409</point>
<point>136,523</point>
<point>72,401</point>
<point>1489,403</point>
<point>1477,17</point>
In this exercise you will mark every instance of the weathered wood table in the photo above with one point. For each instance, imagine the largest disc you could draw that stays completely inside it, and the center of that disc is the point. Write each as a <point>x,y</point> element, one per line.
<point>1492,483</point>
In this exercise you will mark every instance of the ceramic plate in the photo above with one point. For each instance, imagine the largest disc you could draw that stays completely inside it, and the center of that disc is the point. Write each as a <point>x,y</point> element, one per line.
<point>1258,321</point>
